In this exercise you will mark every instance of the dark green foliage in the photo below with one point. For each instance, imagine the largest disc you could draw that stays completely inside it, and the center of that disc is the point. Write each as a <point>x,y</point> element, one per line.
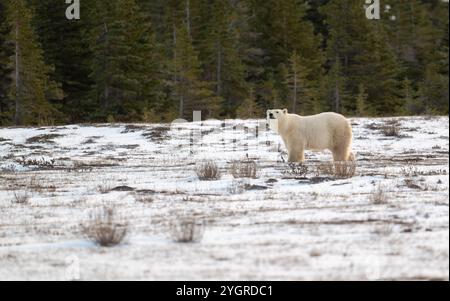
<point>6,51</point>
<point>140,60</point>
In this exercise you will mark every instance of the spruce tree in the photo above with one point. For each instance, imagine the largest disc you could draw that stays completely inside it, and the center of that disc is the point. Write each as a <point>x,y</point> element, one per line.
<point>359,53</point>
<point>125,67</point>
<point>298,85</point>
<point>188,89</point>
<point>6,51</point>
<point>66,47</point>
<point>32,87</point>
<point>249,109</point>
<point>221,55</point>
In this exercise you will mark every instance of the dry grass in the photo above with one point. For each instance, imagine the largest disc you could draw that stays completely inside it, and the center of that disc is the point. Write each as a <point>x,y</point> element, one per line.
<point>237,187</point>
<point>104,188</point>
<point>104,228</point>
<point>208,171</point>
<point>244,169</point>
<point>143,198</point>
<point>296,170</point>
<point>391,128</point>
<point>340,170</point>
<point>378,196</point>
<point>21,197</point>
<point>345,169</point>
<point>187,230</point>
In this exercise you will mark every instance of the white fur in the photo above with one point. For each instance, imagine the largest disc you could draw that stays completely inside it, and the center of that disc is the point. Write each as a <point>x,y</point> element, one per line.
<point>317,132</point>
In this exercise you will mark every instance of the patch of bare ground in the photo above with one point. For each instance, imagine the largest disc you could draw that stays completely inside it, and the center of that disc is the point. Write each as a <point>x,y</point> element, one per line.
<point>157,134</point>
<point>45,138</point>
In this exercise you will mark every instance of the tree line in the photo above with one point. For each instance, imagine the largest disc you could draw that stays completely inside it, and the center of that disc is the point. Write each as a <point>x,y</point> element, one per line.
<point>155,61</point>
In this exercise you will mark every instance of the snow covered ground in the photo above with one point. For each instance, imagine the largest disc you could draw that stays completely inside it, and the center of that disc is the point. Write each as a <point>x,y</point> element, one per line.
<point>279,226</point>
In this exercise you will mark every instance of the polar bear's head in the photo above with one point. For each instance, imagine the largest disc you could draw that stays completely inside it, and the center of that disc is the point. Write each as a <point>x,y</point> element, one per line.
<point>273,116</point>
<point>276,114</point>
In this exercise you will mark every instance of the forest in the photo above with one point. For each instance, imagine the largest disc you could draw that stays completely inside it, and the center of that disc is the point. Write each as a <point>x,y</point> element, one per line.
<point>158,60</point>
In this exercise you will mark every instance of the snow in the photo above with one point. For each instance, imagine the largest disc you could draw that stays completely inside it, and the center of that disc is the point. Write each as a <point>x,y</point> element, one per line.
<point>291,229</point>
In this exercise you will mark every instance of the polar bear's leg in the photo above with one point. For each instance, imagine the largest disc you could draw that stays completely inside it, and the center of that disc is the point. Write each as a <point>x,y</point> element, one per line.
<point>342,145</point>
<point>296,154</point>
<point>341,153</point>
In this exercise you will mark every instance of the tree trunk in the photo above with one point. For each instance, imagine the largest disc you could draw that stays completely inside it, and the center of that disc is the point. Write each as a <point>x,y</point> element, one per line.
<point>181,107</point>
<point>219,71</point>
<point>337,98</point>
<point>294,104</point>
<point>18,113</point>
<point>188,18</point>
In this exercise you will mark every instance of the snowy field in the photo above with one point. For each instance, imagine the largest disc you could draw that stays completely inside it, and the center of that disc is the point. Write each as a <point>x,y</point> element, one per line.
<point>389,221</point>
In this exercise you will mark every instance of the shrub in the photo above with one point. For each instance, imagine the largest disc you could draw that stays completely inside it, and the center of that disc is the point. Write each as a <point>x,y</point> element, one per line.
<point>345,169</point>
<point>104,229</point>
<point>340,170</point>
<point>21,197</point>
<point>186,230</point>
<point>244,169</point>
<point>208,171</point>
<point>378,196</point>
<point>391,128</point>
<point>297,170</point>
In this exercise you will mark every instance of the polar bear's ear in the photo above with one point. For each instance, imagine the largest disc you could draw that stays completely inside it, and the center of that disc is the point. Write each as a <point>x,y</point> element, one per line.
<point>285,111</point>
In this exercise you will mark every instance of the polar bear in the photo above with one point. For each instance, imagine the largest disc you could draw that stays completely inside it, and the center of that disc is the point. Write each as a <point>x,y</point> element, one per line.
<point>317,132</point>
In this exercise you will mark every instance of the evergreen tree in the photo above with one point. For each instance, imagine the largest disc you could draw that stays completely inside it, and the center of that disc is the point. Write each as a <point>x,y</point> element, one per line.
<point>359,53</point>
<point>66,47</point>
<point>125,64</point>
<point>189,90</point>
<point>249,109</point>
<point>6,51</point>
<point>222,62</point>
<point>298,85</point>
<point>410,98</point>
<point>32,87</point>
<point>361,102</point>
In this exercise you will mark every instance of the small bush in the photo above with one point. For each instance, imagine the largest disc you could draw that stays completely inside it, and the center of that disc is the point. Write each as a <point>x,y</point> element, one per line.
<point>391,128</point>
<point>104,188</point>
<point>104,229</point>
<point>143,198</point>
<point>345,169</point>
<point>21,197</point>
<point>326,168</point>
<point>186,230</point>
<point>340,170</point>
<point>378,196</point>
<point>208,171</point>
<point>296,170</point>
<point>237,187</point>
<point>244,169</point>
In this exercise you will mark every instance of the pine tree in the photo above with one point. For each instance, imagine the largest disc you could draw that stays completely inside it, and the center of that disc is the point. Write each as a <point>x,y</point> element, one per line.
<point>361,102</point>
<point>125,64</point>
<point>189,90</point>
<point>6,51</point>
<point>67,49</point>
<point>222,62</point>
<point>359,53</point>
<point>378,69</point>
<point>249,109</point>
<point>32,87</point>
<point>410,99</point>
<point>298,85</point>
